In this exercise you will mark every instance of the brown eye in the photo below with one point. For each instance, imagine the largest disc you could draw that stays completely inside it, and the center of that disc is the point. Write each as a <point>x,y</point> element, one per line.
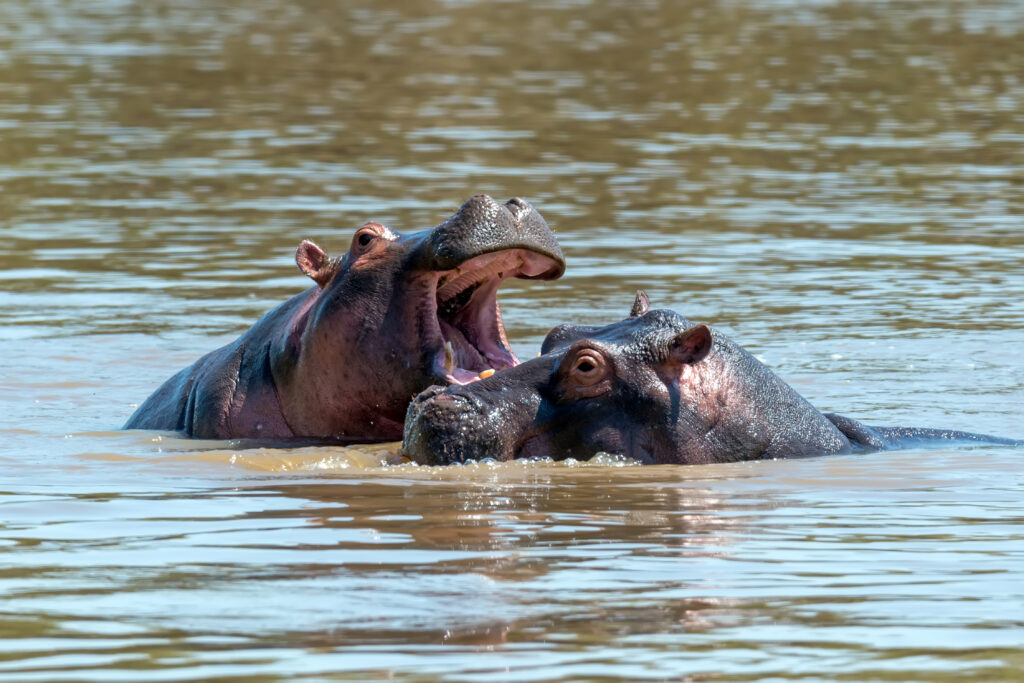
<point>368,240</point>
<point>586,371</point>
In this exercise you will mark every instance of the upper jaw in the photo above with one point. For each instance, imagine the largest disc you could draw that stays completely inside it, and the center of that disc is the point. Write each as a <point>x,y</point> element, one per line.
<point>463,334</point>
<point>482,226</point>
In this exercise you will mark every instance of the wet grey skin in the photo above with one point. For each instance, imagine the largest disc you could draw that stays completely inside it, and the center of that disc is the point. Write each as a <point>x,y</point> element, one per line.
<point>394,315</point>
<point>655,387</point>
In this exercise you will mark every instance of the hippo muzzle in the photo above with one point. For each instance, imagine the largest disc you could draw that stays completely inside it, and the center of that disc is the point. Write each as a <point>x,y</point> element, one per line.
<point>444,427</point>
<point>470,255</point>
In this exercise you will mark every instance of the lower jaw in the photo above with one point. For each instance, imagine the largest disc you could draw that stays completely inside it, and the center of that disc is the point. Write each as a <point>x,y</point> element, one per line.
<point>446,365</point>
<point>459,375</point>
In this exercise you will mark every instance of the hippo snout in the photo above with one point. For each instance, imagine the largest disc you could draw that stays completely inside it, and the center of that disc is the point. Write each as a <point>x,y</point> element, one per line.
<point>483,225</point>
<point>442,427</point>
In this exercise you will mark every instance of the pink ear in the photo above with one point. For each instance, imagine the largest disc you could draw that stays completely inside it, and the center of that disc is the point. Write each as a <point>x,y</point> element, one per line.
<point>691,346</point>
<point>313,261</point>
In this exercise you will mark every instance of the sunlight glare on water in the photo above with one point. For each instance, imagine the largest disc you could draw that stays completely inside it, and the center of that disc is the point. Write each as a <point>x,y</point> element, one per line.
<point>838,186</point>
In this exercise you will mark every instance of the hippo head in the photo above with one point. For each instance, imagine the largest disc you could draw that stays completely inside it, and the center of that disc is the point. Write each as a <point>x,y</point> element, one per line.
<point>629,388</point>
<point>398,313</point>
<point>655,387</point>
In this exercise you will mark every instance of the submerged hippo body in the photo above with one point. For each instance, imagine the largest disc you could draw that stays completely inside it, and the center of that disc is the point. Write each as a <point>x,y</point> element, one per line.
<point>393,316</point>
<point>655,387</point>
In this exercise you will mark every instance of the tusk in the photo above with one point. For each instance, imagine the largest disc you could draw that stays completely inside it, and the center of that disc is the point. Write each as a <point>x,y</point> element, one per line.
<point>449,357</point>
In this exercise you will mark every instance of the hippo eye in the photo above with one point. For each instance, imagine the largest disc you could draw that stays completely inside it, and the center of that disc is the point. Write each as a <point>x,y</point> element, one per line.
<point>585,372</point>
<point>368,237</point>
<point>588,368</point>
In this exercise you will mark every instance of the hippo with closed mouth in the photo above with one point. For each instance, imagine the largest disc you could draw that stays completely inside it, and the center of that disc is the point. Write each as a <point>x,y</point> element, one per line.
<point>394,315</point>
<point>655,387</point>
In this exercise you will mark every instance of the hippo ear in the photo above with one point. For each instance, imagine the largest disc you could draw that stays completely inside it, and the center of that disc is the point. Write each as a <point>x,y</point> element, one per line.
<point>313,261</point>
<point>640,305</point>
<point>691,346</point>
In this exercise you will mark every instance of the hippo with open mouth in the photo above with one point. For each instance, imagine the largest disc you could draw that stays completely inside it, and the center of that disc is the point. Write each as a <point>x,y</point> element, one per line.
<point>655,387</point>
<point>396,314</point>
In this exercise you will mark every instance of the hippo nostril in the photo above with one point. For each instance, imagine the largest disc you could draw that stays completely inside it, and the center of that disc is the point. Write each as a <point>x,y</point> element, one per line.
<point>517,207</point>
<point>427,394</point>
<point>459,401</point>
<point>447,407</point>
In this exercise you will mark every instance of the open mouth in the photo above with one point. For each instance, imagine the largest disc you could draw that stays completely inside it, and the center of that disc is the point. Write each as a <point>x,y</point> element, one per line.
<point>465,324</point>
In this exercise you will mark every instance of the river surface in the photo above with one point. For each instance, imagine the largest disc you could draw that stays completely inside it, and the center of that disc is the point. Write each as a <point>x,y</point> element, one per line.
<point>839,186</point>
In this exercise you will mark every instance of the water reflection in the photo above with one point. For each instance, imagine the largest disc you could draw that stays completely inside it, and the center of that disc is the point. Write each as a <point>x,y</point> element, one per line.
<point>578,565</point>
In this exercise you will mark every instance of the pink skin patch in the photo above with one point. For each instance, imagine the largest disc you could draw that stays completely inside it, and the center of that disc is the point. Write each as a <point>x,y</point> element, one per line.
<point>300,320</point>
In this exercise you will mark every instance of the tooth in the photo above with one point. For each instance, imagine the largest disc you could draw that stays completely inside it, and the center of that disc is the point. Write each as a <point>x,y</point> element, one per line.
<point>486,373</point>
<point>449,357</point>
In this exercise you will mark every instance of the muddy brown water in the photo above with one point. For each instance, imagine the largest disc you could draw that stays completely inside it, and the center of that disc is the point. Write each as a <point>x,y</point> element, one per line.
<point>837,185</point>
